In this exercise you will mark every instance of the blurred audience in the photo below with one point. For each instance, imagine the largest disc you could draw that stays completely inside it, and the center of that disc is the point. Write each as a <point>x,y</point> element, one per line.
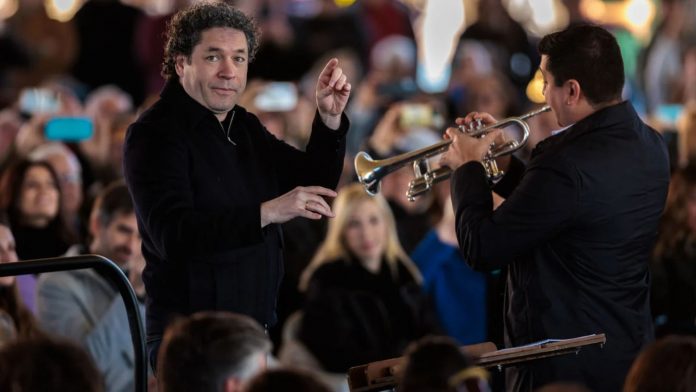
<point>103,106</point>
<point>69,171</point>
<point>285,380</point>
<point>449,281</point>
<point>506,40</point>
<point>492,93</point>
<point>673,267</point>
<point>212,352</point>
<point>10,122</point>
<point>363,299</point>
<point>84,305</point>
<point>51,44</point>
<point>106,57</point>
<point>18,320</point>
<point>47,365</point>
<point>31,197</point>
<point>661,59</point>
<point>686,131</point>
<point>390,78</point>
<point>668,364</point>
<point>436,364</point>
<point>402,129</point>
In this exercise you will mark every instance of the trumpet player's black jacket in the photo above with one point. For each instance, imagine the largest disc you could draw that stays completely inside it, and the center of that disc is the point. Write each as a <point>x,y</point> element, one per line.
<point>197,200</point>
<point>576,231</point>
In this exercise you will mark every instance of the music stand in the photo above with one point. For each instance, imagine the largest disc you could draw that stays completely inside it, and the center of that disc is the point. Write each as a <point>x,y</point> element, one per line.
<point>381,375</point>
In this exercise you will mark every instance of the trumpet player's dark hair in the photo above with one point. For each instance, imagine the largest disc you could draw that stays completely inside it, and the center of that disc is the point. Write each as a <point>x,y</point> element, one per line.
<point>185,29</point>
<point>590,55</point>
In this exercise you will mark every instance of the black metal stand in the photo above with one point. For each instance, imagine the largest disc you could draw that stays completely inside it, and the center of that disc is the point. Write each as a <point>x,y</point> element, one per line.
<point>114,273</point>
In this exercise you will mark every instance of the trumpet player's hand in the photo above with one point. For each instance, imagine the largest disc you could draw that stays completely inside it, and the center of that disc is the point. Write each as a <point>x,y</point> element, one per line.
<point>485,119</point>
<point>465,148</point>
<point>473,118</point>
<point>305,201</point>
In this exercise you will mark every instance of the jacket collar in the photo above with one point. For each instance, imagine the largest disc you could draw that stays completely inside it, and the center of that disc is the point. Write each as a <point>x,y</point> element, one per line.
<point>186,109</point>
<point>604,118</point>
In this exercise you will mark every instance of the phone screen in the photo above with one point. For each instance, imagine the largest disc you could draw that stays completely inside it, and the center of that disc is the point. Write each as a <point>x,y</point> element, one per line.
<point>669,114</point>
<point>38,100</point>
<point>69,129</point>
<point>416,115</point>
<point>277,97</point>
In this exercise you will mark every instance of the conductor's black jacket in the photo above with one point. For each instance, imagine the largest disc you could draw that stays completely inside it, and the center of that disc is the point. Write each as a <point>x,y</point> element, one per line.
<point>197,199</point>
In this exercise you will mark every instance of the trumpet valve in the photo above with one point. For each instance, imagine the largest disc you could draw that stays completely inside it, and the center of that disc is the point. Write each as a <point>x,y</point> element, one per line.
<point>492,171</point>
<point>472,127</point>
<point>418,186</point>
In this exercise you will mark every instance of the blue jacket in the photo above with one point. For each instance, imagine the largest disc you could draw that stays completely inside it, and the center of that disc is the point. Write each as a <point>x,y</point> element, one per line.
<point>458,292</point>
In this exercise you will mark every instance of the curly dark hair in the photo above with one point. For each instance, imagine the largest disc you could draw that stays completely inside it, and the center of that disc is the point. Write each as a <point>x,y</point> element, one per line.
<point>185,28</point>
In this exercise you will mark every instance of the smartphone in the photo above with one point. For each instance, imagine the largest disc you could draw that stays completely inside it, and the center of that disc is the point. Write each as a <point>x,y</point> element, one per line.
<point>277,97</point>
<point>669,114</point>
<point>38,100</point>
<point>69,129</point>
<point>416,115</point>
<point>399,90</point>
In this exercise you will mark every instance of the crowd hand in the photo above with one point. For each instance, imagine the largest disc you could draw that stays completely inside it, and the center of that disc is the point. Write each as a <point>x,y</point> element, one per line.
<point>31,134</point>
<point>96,148</point>
<point>387,132</point>
<point>465,148</point>
<point>332,94</point>
<point>135,274</point>
<point>300,202</point>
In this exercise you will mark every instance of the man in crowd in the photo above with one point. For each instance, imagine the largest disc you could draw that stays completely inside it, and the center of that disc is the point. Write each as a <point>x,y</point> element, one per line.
<point>84,305</point>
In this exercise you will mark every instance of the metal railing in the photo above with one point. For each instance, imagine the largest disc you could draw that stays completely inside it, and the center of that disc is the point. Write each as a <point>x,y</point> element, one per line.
<point>115,275</point>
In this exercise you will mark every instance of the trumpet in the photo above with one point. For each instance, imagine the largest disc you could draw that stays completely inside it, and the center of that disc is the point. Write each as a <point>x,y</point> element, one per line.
<point>371,172</point>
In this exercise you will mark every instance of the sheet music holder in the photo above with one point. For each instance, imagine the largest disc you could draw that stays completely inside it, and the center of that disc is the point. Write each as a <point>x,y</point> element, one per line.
<point>381,375</point>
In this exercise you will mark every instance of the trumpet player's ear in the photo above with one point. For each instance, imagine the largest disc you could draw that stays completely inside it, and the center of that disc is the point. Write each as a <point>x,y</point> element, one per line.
<point>573,91</point>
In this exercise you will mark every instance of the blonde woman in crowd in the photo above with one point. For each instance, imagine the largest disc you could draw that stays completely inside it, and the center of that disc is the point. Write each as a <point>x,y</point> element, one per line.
<point>363,300</point>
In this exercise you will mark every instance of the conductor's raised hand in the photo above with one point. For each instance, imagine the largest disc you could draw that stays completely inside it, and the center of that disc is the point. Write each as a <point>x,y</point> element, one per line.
<point>302,201</point>
<point>332,94</point>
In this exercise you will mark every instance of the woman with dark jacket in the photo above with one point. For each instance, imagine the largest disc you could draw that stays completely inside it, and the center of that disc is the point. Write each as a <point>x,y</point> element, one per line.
<point>363,300</point>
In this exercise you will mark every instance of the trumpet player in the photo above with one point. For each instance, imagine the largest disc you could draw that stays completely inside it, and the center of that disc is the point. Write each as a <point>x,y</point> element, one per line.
<point>579,221</point>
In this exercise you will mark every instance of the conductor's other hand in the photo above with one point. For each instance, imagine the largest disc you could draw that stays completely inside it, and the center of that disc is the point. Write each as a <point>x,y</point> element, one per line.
<point>301,201</point>
<point>332,94</point>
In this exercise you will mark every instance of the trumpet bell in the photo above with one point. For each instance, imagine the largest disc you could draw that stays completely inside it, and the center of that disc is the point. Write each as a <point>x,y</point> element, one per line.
<point>369,172</point>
